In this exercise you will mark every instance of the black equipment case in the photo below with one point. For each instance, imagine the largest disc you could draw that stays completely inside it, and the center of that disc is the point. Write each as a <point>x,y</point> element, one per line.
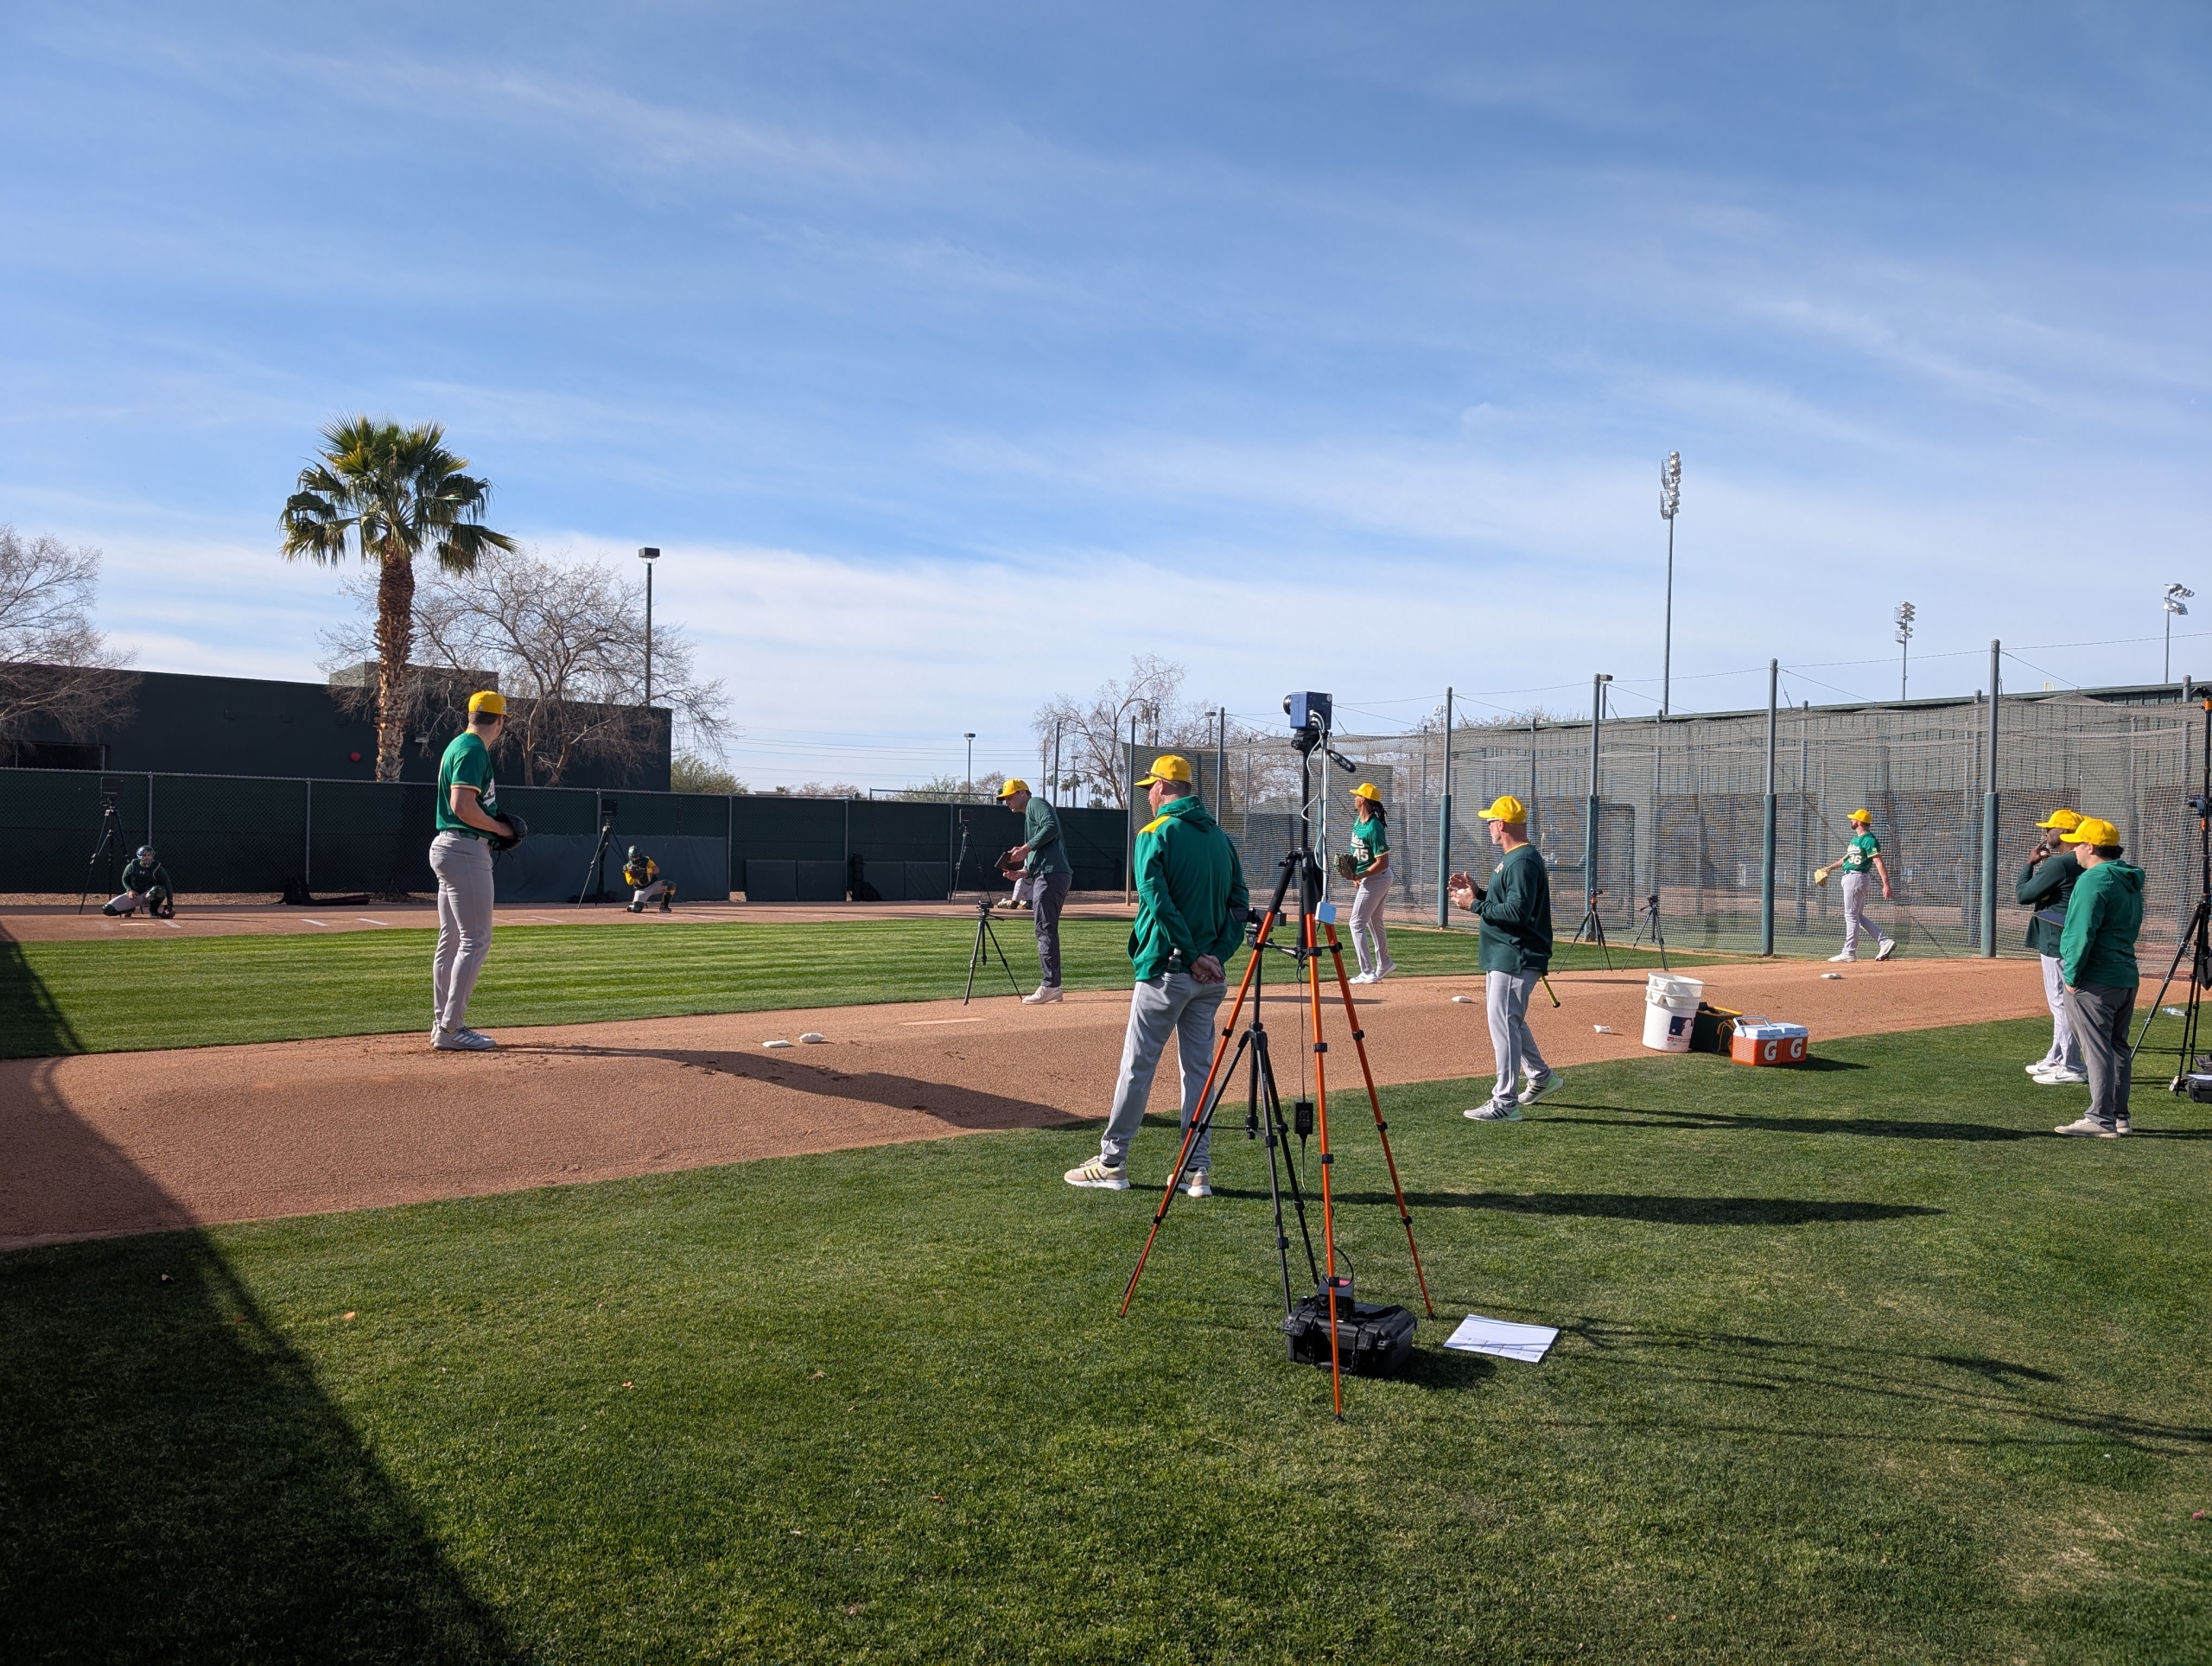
<point>1372,1340</point>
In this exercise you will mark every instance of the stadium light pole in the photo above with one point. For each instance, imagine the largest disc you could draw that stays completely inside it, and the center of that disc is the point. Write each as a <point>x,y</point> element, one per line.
<point>968,784</point>
<point>1597,682</point>
<point>1905,617</point>
<point>648,556</point>
<point>2176,595</point>
<point>1670,504</point>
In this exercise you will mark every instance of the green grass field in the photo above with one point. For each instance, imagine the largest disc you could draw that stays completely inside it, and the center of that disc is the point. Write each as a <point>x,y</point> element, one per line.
<point>169,991</point>
<point>1858,1364</point>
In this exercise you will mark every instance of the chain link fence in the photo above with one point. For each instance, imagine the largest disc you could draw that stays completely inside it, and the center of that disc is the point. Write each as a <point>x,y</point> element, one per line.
<point>1681,812</point>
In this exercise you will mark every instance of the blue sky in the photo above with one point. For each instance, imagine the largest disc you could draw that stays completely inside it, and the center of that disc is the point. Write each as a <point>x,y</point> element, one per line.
<point>954,354</point>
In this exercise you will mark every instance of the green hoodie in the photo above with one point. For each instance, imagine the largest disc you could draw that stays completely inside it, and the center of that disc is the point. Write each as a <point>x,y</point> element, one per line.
<point>2102,916</point>
<point>1188,880</point>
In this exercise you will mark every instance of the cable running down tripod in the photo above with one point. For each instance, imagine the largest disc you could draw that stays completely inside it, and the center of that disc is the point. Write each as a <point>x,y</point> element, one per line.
<point>1264,1104</point>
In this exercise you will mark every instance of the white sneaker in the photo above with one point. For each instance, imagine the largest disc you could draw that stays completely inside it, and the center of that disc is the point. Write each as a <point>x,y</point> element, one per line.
<point>1542,1087</point>
<point>2061,1079</point>
<point>2120,1124</point>
<point>462,1041</point>
<point>1889,947</point>
<point>1042,996</point>
<point>1363,977</point>
<point>1388,967</point>
<point>2041,1065</point>
<point>2087,1128</point>
<point>1196,1186</point>
<point>1494,1112</point>
<point>1097,1174</point>
<point>1842,960</point>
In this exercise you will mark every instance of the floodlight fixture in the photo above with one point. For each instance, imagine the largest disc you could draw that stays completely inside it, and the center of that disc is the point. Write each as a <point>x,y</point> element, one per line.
<point>1905,614</point>
<point>2178,597</point>
<point>1670,504</point>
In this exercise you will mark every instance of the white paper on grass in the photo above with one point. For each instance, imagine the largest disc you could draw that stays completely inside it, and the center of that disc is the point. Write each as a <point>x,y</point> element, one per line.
<point>1526,1343</point>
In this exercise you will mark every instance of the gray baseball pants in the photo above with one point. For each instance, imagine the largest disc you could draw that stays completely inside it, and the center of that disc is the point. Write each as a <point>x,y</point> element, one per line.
<point>463,866</point>
<point>1369,942</point>
<point>1505,997</point>
<point>2065,1045</point>
<point>2102,1015</point>
<point>1048,893</point>
<point>1174,1004</point>
<point>1855,923</point>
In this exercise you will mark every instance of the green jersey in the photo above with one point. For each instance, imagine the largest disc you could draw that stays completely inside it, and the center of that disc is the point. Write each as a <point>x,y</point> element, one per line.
<point>1040,831</point>
<point>1370,839</point>
<point>1190,891</point>
<point>467,762</point>
<point>1516,915</point>
<point>1859,858</point>
<point>2102,919</point>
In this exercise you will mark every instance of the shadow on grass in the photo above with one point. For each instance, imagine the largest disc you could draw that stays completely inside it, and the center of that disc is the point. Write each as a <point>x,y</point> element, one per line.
<point>177,1487</point>
<point>31,1025</point>
<point>2021,1400</point>
<point>1872,1127</point>
<point>969,1108</point>
<point>1660,1210</point>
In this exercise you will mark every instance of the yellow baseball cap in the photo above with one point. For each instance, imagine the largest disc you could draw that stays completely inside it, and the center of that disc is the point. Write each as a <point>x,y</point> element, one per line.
<point>1861,816</point>
<point>1015,783</point>
<point>1508,809</point>
<point>2090,830</point>
<point>1368,791</point>
<point>1167,767</point>
<point>489,700</point>
<point>2062,819</point>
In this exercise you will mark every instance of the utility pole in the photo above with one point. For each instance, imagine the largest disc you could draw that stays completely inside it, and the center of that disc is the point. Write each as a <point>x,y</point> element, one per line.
<point>1590,820</point>
<point>1989,813</point>
<point>648,556</point>
<point>1444,826</point>
<point>968,782</point>
<point>1766,839</point>
<point>1670,504</point>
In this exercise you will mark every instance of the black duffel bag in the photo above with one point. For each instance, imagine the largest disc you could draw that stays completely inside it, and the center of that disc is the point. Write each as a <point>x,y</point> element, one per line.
<point>1372,1340</point>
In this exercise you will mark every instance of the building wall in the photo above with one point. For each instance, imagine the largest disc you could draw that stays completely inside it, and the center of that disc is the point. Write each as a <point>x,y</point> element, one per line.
<point>186,725</point>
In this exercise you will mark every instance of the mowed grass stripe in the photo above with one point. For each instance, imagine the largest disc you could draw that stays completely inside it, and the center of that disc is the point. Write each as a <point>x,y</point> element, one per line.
<point>112,995</point>
<point>1859,1365</point>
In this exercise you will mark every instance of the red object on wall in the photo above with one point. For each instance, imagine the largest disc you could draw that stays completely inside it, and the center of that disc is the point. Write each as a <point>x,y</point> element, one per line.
<point>354,757</point>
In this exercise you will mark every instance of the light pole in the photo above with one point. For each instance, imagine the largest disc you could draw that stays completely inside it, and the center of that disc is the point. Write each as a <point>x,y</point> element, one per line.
<point>968,787</point>
<point>2176,595</point>
<point>648,556</point>
<point>1670,503</point>
<point>1905,617</point>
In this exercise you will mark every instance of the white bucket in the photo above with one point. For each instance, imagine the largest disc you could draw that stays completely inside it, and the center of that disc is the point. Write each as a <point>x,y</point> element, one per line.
<point>1669,1011</point>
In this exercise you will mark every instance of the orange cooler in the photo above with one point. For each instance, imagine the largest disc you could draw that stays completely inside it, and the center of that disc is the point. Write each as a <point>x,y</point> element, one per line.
<point>1769,1044</point>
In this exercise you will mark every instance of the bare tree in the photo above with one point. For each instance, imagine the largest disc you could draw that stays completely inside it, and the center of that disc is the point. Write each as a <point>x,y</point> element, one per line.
<point>945,789</point>
<point>567,642</point>
<point>57,671</point>
<point>1094,731</point>
<point>822,790</point>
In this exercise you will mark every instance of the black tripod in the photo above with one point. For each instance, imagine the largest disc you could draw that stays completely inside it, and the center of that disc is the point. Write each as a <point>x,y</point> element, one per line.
<point>986,944</point>
<point>1650,923</point>
<point>110,846</point>
<point>2196,945</point>
<point>1265,1104</point>
<point>1592,929</point>
<point>594,887</point>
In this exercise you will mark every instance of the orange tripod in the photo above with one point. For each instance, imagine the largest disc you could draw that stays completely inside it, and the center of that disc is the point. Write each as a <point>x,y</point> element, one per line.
<point>1264,1105</point>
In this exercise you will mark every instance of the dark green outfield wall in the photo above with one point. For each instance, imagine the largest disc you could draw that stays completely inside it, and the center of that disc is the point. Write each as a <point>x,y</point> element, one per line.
<point>244,834</point>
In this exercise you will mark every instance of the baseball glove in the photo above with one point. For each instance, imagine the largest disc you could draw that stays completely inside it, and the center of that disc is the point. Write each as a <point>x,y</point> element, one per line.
<point>520,831</point>
<point>1820,876</point>
<point>1346,868</point>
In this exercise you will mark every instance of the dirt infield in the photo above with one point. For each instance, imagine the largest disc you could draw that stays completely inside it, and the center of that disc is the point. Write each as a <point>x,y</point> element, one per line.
<point>127,1142</point>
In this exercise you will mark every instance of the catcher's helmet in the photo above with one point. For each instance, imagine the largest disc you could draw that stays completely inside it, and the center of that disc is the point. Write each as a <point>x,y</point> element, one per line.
<point>145,856</point>
<point>633,852</point>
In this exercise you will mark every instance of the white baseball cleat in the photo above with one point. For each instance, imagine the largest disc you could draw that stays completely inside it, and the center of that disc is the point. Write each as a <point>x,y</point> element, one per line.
<point>463,1041</point>
<point>1097,1174</point>
<point>1197,1185</point>
<point>2087,1128</point>
<point>1842,960</point>
<point>1042,996</point>
<point>2061,1079</point>
<point>1889,947</point>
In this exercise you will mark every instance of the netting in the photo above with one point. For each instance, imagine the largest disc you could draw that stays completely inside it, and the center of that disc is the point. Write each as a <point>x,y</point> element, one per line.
<point>1683,808</point>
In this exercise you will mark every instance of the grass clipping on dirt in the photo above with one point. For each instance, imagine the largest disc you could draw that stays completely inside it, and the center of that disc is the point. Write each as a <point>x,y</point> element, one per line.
<point>109,995</point>
<point>1857,1364</point>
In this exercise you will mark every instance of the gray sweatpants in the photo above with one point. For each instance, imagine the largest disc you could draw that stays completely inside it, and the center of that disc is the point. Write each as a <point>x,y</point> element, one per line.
<point>1505,996</point>
<point>2102,1015</point>
<point>1369,942</point>
<point>1855,923</point>
<point>2065,1045</point>
<point>1174,1004</point>
<point>463,866</point>
<point>1048,893</point>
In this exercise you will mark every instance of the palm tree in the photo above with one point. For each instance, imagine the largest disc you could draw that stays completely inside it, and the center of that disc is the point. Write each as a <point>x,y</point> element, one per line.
<point>396,491</point>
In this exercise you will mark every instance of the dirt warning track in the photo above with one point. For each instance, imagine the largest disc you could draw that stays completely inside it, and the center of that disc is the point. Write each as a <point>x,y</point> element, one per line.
<point>129,1142</point>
